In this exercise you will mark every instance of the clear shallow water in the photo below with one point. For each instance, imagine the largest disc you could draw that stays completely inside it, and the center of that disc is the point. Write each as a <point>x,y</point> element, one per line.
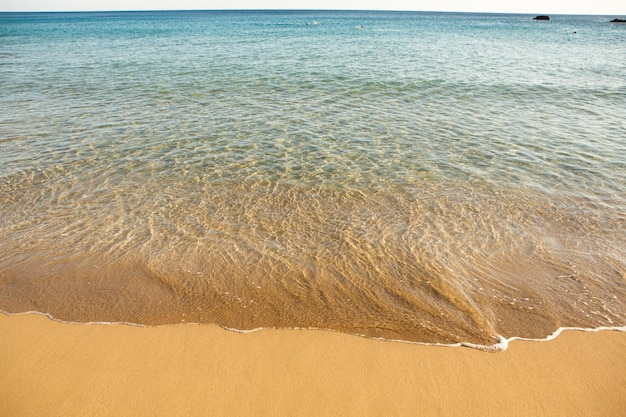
<point>417,176</point>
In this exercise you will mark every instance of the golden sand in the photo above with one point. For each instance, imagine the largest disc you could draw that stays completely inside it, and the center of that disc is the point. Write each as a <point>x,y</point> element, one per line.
<point>54,369</point>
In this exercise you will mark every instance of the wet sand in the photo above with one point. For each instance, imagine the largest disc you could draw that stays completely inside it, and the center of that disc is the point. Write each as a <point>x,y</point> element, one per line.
<point>55,369</point>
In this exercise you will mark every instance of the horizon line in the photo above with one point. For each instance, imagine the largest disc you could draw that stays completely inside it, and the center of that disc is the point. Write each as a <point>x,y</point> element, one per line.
<point>269,9</point>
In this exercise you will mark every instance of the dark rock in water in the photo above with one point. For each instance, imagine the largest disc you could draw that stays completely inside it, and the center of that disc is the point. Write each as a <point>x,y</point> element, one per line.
<point>618,21</point>
<point>541,17</point>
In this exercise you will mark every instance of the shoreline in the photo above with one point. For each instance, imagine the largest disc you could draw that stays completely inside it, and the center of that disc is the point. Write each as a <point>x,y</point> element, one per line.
<point>52,368</point>
<point>501,346</point>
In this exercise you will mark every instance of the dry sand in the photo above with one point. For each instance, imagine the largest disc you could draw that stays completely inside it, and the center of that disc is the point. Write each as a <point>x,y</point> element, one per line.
<point>55,369</point>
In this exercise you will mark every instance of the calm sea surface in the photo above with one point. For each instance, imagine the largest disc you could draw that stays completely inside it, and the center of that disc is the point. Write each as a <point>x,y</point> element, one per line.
<point>416,176</point>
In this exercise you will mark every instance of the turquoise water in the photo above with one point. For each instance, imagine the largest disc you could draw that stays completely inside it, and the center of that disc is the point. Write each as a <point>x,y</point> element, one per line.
<point>429,177</point>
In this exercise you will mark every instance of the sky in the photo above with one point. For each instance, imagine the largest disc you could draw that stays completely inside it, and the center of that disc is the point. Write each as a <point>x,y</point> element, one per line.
<point>607,7</point>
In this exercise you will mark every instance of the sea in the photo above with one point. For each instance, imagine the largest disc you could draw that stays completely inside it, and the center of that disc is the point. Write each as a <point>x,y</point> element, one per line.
<point>444,178</point>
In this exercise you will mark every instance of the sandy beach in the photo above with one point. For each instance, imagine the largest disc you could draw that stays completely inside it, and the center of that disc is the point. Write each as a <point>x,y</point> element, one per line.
<point>56,369</point>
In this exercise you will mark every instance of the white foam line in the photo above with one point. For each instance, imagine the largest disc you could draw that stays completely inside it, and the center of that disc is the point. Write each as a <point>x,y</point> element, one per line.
<point>51,317</point>
<point>501,346</point>
<point>562,329</point>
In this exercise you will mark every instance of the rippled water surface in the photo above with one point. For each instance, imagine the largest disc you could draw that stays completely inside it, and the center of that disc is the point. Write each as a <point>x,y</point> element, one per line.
<point>416,176</point>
